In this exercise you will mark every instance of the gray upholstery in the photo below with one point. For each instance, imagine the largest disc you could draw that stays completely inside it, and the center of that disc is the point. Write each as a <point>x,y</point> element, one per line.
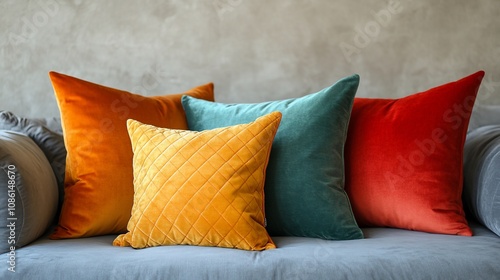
<point>54,124</point>
<point>29,191</point>
<point>482,175</point>
<point>384,254</point>
<point>47,134</point>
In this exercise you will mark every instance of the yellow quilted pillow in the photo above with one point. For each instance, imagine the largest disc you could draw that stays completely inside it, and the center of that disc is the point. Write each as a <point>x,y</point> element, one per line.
<point>200,188</point>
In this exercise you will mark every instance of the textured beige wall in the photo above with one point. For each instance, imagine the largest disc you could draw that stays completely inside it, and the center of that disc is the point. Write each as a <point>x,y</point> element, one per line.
<point>252,50</point>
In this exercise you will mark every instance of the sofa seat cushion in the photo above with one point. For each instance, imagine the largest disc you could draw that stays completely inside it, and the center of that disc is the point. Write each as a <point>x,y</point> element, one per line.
<point>385,254</point>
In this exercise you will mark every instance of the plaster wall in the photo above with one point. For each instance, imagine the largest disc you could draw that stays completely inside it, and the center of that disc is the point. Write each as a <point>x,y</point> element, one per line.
<point>252,50</point>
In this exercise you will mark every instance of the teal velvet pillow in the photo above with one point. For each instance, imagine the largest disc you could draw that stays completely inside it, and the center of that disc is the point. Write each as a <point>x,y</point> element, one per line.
<point>304,191</point>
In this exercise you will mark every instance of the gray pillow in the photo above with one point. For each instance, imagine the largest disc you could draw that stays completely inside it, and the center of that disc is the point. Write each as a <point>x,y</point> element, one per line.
<point>28,197</point>
<point>50,142</point>
<point>483,115</point>
<point>481,193</point>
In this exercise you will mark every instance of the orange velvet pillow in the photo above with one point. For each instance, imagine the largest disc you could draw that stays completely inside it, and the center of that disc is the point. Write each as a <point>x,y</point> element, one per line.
<point>404,158</point>
<point>99,177</point>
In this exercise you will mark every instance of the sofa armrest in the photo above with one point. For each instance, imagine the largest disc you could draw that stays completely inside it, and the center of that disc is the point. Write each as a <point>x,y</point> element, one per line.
<point>482,175</point>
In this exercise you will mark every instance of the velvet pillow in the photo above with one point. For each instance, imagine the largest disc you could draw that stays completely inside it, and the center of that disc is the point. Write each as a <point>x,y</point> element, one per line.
<point>305,179</point>
<point>404,158</point>
<point>28,197</point>
<point>98,185</point>
<point>200,188</point>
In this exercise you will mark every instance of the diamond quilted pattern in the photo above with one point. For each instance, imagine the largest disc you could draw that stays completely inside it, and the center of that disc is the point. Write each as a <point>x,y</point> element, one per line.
<point>200,188</point>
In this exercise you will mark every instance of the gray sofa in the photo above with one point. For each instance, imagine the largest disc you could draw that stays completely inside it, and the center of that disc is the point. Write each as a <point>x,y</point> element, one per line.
<point>384,253</point>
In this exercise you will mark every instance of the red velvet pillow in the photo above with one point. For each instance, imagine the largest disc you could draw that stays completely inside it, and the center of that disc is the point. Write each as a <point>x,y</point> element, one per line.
<point>404,158</point>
